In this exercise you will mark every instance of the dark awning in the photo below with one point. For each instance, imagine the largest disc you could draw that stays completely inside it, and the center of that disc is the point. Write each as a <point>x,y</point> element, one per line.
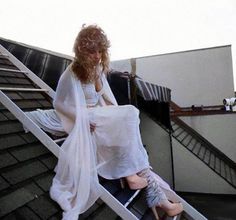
<point>152,92</point>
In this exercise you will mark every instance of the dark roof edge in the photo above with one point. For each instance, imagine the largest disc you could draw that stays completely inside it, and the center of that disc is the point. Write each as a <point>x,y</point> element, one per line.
<point>39,49</point>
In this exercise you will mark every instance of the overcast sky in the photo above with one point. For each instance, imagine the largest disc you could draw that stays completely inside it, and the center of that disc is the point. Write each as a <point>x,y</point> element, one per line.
<point>135,27</point>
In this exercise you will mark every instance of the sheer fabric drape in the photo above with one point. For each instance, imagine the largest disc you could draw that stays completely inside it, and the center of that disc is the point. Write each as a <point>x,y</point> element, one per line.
<point>75,186</point>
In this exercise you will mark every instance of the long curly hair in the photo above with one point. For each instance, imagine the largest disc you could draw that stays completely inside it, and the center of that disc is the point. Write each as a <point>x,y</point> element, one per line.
<point>89,39</point>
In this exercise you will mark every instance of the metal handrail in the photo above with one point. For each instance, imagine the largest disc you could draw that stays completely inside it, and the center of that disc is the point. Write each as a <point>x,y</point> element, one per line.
<point>205,142</point>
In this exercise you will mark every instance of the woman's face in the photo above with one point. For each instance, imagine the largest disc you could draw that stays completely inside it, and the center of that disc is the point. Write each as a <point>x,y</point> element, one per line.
<point>95,56</point>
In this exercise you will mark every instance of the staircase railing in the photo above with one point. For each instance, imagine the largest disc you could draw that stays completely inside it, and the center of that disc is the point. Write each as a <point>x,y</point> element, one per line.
<point>177,111</point>
<point>204,150</point>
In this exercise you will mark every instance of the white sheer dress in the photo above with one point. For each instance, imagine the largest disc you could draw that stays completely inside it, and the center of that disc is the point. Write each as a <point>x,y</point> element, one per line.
<point>113,150</point>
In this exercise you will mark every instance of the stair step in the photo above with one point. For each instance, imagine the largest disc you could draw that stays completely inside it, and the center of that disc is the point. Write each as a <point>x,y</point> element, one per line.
<point>183,136</point>
<point>212,161</point>
<point>217,165</point>
<point>4,56</point>
<point>233,174</point>
<point>202,152</point>
<point>228,174</point>
<point>175,126</point>
<point>11,70</point>
<point>23,89</point>
<point>196,148</point>
<point>187,140</point>
<point>206,158</point>
<point>60,140</point>
<point>222,170</point>
<point>191,145</point>
<point>195,144</point>
<point>178,132</point>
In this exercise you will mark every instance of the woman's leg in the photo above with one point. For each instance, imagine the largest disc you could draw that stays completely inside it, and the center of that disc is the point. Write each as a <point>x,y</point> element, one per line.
<point>156,197</point>
<point>120,151</point>
<point>136,182</point>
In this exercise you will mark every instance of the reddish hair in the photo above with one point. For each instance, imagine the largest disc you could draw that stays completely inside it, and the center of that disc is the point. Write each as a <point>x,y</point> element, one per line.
<point>89,39</point>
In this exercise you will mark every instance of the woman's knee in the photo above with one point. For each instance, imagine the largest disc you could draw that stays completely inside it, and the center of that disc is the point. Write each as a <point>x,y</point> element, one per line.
<point>132,111</point>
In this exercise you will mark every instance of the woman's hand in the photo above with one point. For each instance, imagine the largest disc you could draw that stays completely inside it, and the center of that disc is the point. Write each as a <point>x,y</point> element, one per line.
<point>92,127</point>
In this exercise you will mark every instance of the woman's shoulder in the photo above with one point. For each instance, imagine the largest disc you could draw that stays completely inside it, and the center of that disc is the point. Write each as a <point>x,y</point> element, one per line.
<point>69,68</point>
<point>66,75</point>
<point>68,71</point>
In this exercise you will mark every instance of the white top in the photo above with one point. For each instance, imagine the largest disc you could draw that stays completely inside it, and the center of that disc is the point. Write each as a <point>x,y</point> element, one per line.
<point>91,95</point>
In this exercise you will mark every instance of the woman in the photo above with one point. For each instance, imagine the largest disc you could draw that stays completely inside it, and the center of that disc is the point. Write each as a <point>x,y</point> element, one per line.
<point>103,138</point>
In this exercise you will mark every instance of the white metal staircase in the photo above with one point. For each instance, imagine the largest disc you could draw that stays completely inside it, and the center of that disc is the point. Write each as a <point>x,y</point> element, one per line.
<point>52,145</point>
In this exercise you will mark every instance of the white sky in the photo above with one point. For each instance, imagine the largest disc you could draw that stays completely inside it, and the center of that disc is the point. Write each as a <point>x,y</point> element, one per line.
<point>135,27</point>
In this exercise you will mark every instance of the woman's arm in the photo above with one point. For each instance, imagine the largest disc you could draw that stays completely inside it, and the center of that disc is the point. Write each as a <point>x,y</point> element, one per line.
<point>64,94</point>
<point>100,89</point>
<point>66,110</point>
<point>106,100</point>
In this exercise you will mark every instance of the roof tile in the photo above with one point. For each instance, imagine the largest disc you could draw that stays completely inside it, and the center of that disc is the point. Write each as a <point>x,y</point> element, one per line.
<point>29,137</point>
<point>58,216</point>
<point>29,151</point>
<point>9,115</point>
<point>50,161</point>
<point>12,140</point>
<point>6,159</point>
<point>27,170</point>
<point>107,213</point>
<point>14,200</point>
<point>44,207</point>
<point>10,127</point>
<point>2,117</point>
<point>3,184</point>
<point>45,181</point>
<point>22,213</point>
